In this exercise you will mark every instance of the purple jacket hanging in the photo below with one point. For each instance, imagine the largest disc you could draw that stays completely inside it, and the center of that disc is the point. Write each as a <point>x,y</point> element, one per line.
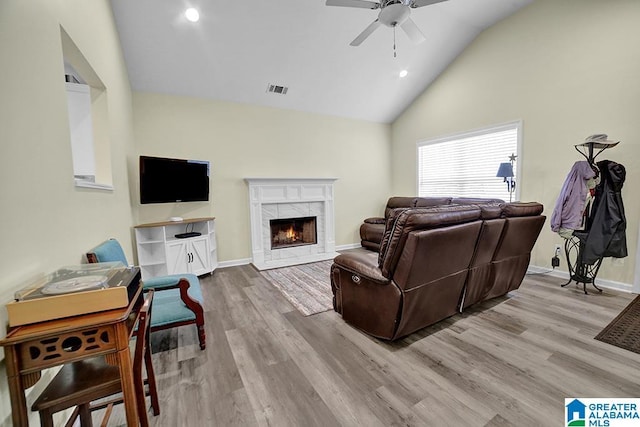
<point>569,209</point>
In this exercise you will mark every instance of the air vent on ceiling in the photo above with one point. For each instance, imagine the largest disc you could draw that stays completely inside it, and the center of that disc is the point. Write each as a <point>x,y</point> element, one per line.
<point>282,90</point>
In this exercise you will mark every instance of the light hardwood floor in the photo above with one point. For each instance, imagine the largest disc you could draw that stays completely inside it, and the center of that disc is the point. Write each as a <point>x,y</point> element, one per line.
<point>510,361</point>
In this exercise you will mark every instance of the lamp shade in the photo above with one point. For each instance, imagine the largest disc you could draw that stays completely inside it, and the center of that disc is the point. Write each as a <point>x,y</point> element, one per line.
<point>505,170</point>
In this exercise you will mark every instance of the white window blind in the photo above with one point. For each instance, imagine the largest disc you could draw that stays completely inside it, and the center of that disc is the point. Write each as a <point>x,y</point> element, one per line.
<point>465,165</point>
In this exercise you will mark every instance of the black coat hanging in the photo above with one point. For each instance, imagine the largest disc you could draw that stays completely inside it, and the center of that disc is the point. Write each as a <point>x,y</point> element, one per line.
<point>607,223</point>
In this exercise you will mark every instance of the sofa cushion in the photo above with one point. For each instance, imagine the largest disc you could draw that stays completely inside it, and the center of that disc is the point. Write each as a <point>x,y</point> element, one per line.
<point>424,202</point>
<point>407,220</point>
<point>384,241</point>
<point>521,209</point>
<point>479,282</point>
<point>398,202</point>
<point>490,211</point>
<point>429,255</point>
<point>371,232</point>
<point>511,258</point>
<point>474,201</point>
<point>432,271</point>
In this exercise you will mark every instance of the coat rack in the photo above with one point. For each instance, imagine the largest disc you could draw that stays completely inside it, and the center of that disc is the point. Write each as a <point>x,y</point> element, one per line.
<point>574,246</point>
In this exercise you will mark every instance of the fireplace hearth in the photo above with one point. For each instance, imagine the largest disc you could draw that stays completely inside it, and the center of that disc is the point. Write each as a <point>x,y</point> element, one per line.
<point>289,232</point>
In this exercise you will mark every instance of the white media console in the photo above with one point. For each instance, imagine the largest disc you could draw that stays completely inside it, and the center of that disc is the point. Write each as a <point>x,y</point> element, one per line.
<point>161,253</point>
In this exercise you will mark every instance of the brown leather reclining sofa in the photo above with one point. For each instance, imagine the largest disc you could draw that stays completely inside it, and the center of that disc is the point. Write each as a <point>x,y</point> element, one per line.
<point>434,262</point>
<point>373,228</point>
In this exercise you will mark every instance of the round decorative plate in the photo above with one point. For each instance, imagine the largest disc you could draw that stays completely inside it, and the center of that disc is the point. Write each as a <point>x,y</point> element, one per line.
<point>76,284</point>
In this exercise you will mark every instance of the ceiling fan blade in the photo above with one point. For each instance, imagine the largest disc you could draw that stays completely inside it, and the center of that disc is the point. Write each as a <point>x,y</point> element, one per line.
<point>412,30</point>
<point>420,3</point>
<point>366,33</point>
<point>364,4</point>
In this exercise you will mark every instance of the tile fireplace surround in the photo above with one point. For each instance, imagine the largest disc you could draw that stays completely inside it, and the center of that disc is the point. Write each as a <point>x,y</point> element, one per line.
<point>282,198</point>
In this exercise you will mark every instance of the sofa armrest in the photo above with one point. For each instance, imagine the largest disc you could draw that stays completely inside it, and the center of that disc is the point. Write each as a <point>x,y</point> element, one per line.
<point>375,220</point>
<point>365,298</point>
<point>362,264</point>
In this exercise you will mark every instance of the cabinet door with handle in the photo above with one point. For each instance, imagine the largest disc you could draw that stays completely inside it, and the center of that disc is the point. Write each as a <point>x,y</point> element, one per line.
<point>178,257</point>
<point>199,255</point>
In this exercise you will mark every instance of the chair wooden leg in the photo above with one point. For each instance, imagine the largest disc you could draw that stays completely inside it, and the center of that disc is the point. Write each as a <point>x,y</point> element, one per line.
<point>202,338</point>
<point>151,380</point>
<point>141,403</point>
<point>107,415</point>
<point>71,422</point>
<point>85,415</point>
<point>46,418</point>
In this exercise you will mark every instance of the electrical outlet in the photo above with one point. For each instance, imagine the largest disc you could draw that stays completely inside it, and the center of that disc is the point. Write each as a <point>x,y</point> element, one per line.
<point>555,260</point>
<point>557,250</point>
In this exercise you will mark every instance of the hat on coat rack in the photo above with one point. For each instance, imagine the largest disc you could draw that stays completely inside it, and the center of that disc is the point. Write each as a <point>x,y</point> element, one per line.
<point>600,138</point>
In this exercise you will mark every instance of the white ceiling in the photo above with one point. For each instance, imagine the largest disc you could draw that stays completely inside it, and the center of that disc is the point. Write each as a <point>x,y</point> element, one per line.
<point>239,47</point>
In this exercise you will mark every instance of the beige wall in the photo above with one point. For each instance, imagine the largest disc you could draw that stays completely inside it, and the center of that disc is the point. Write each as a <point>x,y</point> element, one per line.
<point>46,222</point>
<point>244,141</point>
<point>568,69</point>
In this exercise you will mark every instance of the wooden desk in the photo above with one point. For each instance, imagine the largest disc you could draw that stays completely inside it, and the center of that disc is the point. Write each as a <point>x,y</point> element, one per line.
<point>31,348</point>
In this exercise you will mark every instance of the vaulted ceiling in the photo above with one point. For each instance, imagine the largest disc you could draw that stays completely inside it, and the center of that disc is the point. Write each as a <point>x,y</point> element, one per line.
<point>238,48</point>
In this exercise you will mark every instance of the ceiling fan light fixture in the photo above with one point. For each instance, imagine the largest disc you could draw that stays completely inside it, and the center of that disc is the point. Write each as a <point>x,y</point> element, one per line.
<point>392,13</point>
<point>192,14</point>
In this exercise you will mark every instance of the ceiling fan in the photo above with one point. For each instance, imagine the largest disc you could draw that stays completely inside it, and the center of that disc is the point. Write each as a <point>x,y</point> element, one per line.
<point>392,13</point>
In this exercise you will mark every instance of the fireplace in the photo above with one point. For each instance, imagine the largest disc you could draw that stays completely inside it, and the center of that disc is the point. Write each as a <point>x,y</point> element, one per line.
<point>289,232</point>
<point>275,199</point>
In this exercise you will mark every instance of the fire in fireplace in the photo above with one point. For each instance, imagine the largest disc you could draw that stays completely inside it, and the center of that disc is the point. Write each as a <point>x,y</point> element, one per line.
<point>293,232</point>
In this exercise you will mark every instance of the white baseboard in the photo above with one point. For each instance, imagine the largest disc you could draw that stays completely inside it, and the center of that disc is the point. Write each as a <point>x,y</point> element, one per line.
<point>349,246</point>
<point>602,283</point>
<point>234,262</point>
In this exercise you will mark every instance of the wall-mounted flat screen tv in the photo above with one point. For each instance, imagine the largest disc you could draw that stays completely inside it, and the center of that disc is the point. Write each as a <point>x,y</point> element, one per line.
<point>165,180</point>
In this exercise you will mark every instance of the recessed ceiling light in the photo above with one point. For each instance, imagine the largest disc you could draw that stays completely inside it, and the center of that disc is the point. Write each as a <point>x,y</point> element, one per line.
<point>403,73</point>
<point>192,14</point>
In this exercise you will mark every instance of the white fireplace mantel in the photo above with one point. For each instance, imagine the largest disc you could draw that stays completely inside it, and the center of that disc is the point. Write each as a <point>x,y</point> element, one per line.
<point>281,198</point>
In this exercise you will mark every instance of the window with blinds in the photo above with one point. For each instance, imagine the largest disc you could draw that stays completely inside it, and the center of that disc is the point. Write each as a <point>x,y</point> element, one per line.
<point>465,165</point>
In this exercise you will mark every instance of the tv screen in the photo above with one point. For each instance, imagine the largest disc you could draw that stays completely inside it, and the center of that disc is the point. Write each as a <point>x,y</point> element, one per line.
<point>165,180</point>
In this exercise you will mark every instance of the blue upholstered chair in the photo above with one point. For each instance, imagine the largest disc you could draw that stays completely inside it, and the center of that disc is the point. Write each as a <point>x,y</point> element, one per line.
<point>178,297</point>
